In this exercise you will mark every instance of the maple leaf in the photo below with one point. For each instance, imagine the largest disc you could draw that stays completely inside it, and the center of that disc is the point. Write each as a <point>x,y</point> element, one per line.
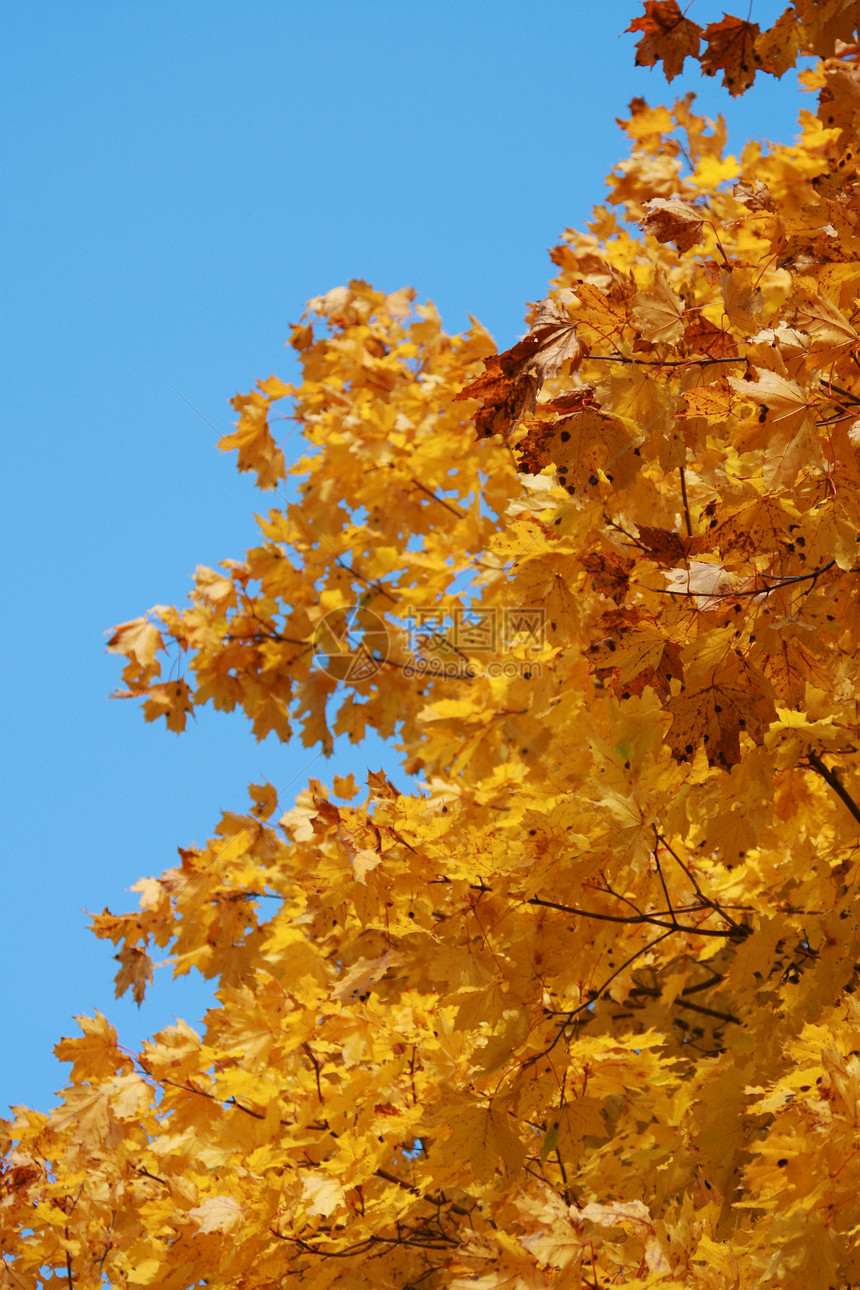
<point>135,971</point>
<point>324,1193</point>
<point>363,974</point>
<point>668,546</point>
<point>754,194</point>
<point>732,51</point>
<point>139,640</point>
<point>171,700</point>
<point>633,653</point>
<point>508,388</point>
<point>713,716</point>
<point>582,446</point>
<point>381,786</point>
<point>217,1214</point>
<point>256,448</point>
<point>551,342</point>
<point>96,1054</point>
<point>610,573</point>
<point>667,36</point>
<point>778,47</point>
<point>658,314</point>
<point>673,220</point>
<point>710,401</point>
<point>505,398</point>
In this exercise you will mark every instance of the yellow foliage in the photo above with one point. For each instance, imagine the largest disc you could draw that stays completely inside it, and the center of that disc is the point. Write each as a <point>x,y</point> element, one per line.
<point>579,1009</point>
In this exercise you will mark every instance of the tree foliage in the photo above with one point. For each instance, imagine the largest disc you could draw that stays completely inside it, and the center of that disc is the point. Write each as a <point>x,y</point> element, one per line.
<point>580,1008</point>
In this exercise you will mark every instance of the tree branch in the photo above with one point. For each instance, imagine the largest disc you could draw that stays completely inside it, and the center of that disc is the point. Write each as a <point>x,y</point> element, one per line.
<point>734,932</point>
<point>752,591</point>
<point>831,778</point>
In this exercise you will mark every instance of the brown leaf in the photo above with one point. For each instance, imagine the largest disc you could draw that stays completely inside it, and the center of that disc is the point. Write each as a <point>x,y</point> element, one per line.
<point>551,341</point>
<point>610,573</point>
<point>754,194</point>
<point>666,35</point>
<point>671,220</point>
<point>508,388</point>
<point>505,399</point>
<point>702,337</point>
<point>713,717</point>
<point>573,401</point>
<point>732,51</point>
<point>668,547</point>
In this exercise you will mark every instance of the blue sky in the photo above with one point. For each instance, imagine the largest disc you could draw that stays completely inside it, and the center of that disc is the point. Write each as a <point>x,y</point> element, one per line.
<point>180,179</point>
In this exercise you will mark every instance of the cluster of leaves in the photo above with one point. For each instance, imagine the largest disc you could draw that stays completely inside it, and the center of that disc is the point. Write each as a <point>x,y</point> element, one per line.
<point>580,1009</point>
<point>738,47</point>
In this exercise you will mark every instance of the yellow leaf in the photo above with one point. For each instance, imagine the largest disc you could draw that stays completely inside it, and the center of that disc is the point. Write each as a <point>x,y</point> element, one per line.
<point>217,1214</point>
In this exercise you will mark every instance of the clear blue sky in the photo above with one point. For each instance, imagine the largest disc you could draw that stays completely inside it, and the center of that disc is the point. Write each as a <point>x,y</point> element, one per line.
<point>179,180</point>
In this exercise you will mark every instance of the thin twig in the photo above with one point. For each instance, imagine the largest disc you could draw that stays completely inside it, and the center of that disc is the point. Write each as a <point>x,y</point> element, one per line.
<point>665,888</point>
<point>687,519</point>
<point>675,362</point>
<point>733,932</point>
<point>589,1003</point>
<point>316,1067</point>
<point>766,590</point>
<point>440,500</point>
<point>831,778</point>
<point>661,841</point>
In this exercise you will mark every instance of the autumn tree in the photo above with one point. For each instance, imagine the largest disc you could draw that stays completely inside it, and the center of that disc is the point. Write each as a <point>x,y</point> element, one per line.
<point>578,1009</point>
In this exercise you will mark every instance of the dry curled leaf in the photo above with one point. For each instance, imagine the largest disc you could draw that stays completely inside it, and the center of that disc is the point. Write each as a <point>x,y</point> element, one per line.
<point>671,220</point>
<point>551,342</point>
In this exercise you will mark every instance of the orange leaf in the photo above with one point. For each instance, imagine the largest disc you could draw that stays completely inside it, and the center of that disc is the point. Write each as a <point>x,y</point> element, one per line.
<point>610,573</point>
<point>504,399</point>
<point>135,971</point>
<point>732,51</point>
<point>667,35</point>
<point>713,402</point>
